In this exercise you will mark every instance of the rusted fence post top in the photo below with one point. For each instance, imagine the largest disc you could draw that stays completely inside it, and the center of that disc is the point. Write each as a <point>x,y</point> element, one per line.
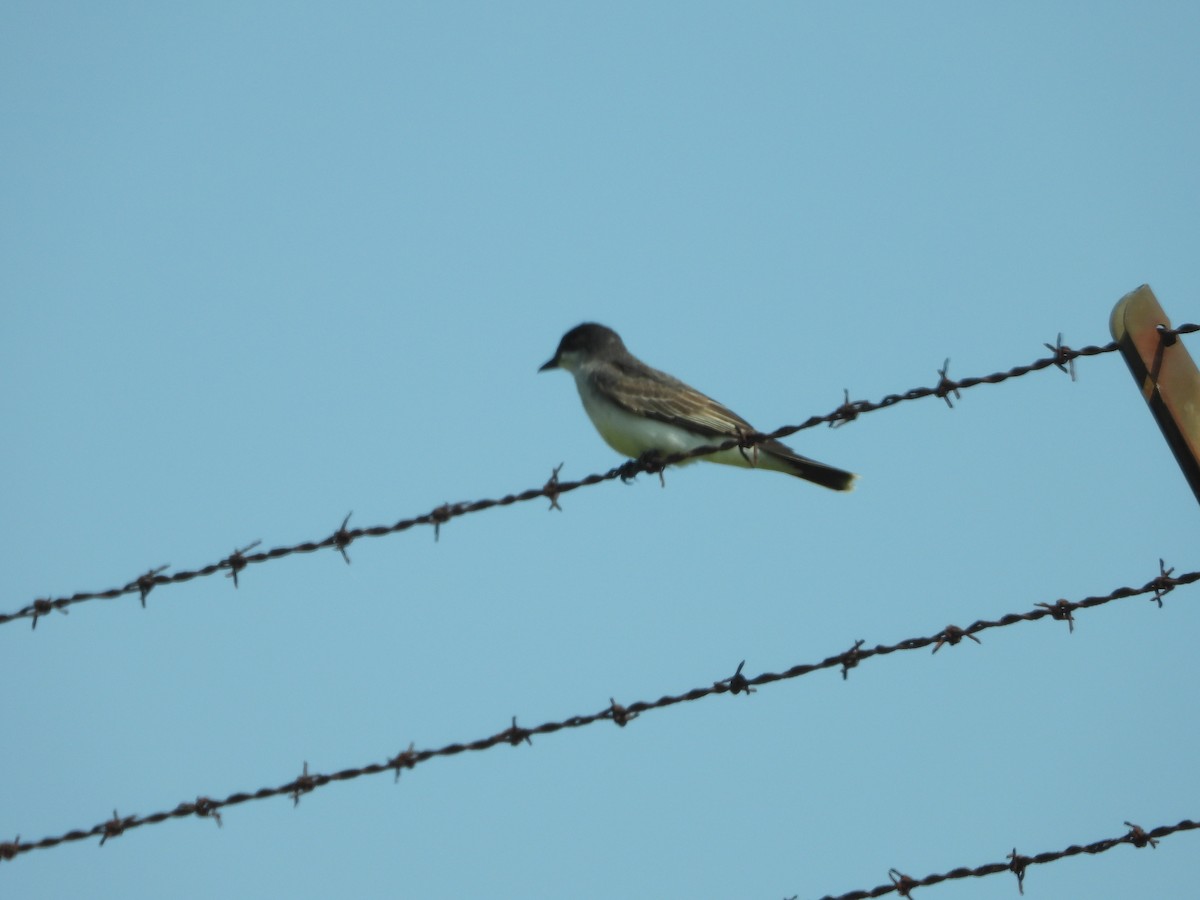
<point>1165,374</point>
<point>1137,297</point>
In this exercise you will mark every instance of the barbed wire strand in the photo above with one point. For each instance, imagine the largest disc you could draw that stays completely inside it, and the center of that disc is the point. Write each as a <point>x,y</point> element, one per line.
<point>1017,863</point>
<point>1063,358</point>
<point>515,735</point>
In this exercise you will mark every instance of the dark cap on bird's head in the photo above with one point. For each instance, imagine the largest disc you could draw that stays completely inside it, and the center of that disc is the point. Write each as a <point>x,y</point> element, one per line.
<point>581,342</point>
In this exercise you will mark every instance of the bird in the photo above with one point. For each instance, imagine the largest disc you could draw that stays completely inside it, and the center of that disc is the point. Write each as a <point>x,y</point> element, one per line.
<point>640,411</point>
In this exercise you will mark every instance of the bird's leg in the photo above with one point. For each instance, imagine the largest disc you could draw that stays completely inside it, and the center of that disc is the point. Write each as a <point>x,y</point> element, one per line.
<point>652,461</point>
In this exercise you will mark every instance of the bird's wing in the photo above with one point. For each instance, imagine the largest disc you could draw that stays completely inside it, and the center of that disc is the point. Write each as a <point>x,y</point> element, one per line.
<point>657,395</point>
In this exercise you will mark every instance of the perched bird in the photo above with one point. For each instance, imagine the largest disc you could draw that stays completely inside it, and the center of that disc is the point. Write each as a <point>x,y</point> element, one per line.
<point>640,410</point>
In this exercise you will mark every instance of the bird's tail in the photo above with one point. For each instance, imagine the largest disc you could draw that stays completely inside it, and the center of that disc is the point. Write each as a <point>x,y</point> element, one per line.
<point>809,469</point>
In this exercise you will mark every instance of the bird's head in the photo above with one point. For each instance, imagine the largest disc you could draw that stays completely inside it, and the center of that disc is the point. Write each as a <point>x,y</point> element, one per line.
<point>582,343</point>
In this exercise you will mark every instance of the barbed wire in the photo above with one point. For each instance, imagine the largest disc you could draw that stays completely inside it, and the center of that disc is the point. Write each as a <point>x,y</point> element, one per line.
<point>1063,358</point>
<point>1017,863</point>
<point>515,735</point>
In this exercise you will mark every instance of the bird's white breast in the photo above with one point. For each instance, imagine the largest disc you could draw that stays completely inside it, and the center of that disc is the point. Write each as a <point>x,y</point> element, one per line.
<point>630,434</point>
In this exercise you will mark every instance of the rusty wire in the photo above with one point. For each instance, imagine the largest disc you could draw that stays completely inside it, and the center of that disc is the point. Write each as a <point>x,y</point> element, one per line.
<point>1017,863</point>
<point>515,735</point>
<point>1062,357</point>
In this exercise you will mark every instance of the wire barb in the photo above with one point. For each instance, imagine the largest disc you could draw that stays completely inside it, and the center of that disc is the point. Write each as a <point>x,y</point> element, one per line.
<point>850,659</point>
<point>738,683</point>
<point>44,606</point>
<point>440,517</point>
<point>115,826</point>
<point>619,713</point>
<point>208,808</point>
<point>951,635</point>
<point>902,883</point>
<point>404,760</point>
<point>551,488</point>
<point>342,538</point>
<point>1064,356</point>
<point>748,442</point>
<point>1167,335</point>
<point>203,807</point>
<point>1017,864</point>
<point>237,561</point>
<point>1163,584</point>
<point>10,849</point>
<point>1063,610</point>
<point>302,785</point>
<point>516,735</point>
<point>1138,837</point>
<point>946,387</point>
<point>145,583</point>
<point>845,413</point>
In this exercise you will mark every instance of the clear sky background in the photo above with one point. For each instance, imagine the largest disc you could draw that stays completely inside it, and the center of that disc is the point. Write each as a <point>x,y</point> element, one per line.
<point>265,264</point>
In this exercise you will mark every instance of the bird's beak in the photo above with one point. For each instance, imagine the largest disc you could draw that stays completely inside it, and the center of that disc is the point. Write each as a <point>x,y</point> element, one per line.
<point>552,364</point>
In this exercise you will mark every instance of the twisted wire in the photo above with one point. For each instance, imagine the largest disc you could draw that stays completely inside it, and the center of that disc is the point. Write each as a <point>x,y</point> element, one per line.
<point>515,735</point>
<point>1062,357</point>
<point>1018,864</point>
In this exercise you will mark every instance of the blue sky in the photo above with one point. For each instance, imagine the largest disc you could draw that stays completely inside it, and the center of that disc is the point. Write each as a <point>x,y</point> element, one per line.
<point>266,264</point>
